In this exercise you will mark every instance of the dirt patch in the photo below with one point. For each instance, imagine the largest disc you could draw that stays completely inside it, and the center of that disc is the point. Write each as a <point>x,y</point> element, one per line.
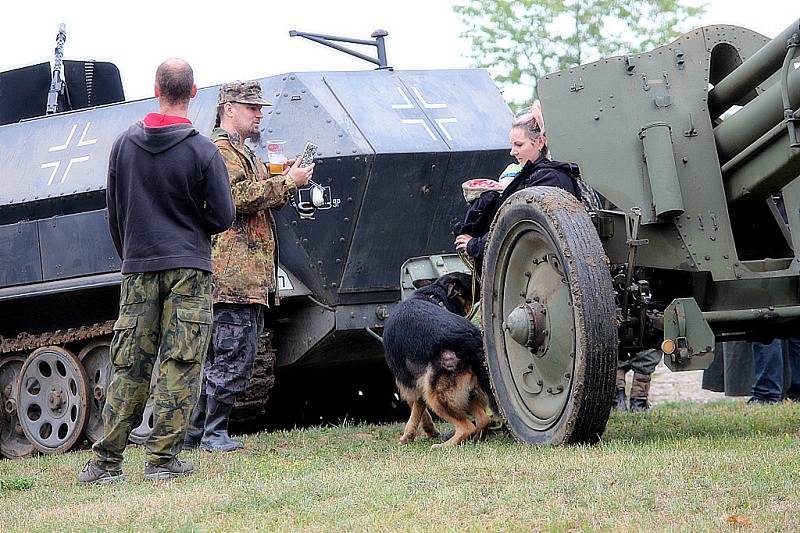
<point>669,386</point>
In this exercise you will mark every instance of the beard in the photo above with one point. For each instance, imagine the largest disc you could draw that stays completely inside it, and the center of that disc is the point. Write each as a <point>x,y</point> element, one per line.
<point>254,136</point>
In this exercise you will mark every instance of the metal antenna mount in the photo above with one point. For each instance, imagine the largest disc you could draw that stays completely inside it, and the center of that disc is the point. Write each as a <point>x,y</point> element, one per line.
<point>328,40</point>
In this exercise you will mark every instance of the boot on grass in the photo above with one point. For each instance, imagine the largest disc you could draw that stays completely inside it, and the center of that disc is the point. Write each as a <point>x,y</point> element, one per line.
<point>94,474</point>
<point>640,391</point>
<point>169,470</point>
<point>639,405</point>
<point>216,438</point>
<point>620,402</point>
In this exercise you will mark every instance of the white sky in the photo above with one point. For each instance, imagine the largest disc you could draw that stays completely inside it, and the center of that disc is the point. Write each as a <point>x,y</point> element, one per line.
<point>244,40</point>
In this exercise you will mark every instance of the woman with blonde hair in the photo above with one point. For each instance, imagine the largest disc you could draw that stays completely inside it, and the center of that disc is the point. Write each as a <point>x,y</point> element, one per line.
<point>529,146</point>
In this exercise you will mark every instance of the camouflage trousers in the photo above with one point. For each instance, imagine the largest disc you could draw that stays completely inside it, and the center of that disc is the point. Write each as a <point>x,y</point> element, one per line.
<point>232,351</point>
<point>164,316</point>
<point>643,364</point>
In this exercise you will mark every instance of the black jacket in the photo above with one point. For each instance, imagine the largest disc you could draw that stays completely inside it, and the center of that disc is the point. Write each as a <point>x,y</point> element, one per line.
<point>167,193</point>
<point>542,172</point>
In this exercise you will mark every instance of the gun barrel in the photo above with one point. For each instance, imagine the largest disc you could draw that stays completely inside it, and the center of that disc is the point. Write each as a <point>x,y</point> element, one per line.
<point>749,74</point>
<point>740,130</point>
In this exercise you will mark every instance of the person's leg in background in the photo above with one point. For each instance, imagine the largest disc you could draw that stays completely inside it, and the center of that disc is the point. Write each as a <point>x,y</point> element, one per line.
<point>768,371</point>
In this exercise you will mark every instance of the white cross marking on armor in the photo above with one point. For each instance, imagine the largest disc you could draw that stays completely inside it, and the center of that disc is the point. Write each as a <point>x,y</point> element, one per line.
<point>69,165</point>
<point>55,165</point>
<point>419,121</point>
<point>441,121</point>
<point>83,141</point>
<point>425,104</point>
<point>69,138</point>
<point>407,105</point>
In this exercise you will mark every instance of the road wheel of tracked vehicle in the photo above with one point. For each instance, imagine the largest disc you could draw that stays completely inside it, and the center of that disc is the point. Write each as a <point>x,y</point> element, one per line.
<point>13,442</point>
<point>96,362</point>
<point>140,433</point>
<point>548,312</point>
<point>252,403</point>
<point>53,399</point>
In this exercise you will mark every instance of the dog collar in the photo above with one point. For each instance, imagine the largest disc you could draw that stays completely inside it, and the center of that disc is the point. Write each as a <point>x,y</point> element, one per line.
<point>435,300</point>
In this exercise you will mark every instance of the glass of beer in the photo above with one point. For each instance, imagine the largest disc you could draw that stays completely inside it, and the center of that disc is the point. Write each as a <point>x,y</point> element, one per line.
<point>276,156</point>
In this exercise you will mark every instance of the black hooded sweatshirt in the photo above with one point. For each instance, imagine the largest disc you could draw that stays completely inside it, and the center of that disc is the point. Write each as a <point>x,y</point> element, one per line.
<point>167,193</point>
<point>542,172</point>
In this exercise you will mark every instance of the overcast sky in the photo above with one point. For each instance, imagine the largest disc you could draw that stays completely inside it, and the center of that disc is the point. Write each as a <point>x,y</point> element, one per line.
<point>244,40</point>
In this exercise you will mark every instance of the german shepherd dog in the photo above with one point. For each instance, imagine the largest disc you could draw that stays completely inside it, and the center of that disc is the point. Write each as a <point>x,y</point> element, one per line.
<point>436,356</point>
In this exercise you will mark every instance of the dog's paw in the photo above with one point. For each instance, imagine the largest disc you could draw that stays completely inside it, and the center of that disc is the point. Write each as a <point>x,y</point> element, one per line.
<point>407,439</point>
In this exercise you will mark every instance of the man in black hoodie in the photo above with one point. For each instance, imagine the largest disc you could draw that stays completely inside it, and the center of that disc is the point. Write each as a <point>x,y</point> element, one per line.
<point>167,193</point>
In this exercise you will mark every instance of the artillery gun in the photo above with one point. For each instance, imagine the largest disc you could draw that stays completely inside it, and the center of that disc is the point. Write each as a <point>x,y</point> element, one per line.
<point>394,147</point>
<point>694,148</point>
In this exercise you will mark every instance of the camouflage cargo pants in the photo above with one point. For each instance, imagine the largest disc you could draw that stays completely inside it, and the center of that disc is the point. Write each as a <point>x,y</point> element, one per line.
<point>232,351</point>
<point>167,314</point>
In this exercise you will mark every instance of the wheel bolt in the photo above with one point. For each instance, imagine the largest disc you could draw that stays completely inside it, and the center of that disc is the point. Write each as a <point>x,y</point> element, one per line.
<point>55,399</point>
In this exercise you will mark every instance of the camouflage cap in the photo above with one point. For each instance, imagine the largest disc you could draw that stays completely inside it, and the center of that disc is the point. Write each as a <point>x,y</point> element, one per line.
<point>241,92</point>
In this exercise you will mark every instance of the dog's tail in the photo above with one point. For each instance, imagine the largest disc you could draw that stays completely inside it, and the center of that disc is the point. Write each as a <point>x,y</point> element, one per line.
<point>471,350</point>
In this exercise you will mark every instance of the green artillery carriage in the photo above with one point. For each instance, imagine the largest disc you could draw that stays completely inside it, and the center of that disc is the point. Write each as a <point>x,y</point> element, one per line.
<point>694,148</point>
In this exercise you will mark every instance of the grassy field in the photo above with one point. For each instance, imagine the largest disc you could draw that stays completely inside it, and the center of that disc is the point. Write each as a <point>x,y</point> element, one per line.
<point>724,466</point>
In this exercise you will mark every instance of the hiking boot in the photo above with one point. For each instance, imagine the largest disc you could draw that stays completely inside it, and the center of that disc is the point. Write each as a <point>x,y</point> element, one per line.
<point>94,474</point>
<point>196,424</point>
<point>216,438</point>
<point>169,470</point>
<point>639,405</point>
<point>620,403</point>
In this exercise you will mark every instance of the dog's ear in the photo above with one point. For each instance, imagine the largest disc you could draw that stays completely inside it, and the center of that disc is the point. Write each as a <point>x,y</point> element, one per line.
<point>419,283</point>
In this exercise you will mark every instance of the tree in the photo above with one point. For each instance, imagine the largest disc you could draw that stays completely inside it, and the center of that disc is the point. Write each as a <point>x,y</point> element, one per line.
<point>519,41</point>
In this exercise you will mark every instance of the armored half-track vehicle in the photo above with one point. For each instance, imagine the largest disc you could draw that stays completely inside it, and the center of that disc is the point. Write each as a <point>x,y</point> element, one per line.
<point>693,147</point>
<point>394,147</point>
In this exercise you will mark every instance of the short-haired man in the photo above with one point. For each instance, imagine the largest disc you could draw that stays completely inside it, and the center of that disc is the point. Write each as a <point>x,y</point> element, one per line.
<point>167,193</point>
<point>245,264</point>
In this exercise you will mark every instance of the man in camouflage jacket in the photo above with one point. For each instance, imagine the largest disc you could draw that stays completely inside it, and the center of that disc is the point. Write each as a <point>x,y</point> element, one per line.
<point>245,260</point>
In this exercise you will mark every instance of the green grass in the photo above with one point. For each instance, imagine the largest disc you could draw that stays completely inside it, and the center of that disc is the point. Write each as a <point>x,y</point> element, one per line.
<point>15,483</point>
<point>724,466</point>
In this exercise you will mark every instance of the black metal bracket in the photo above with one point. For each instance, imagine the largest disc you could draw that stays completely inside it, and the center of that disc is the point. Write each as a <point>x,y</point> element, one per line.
<point>632,222</point>
<point>57,86</point>
<point>792,49</point>
<point>331,40</point>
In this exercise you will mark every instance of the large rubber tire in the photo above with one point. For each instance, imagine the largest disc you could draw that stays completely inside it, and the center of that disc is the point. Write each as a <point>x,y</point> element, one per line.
<point>544,251</point>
